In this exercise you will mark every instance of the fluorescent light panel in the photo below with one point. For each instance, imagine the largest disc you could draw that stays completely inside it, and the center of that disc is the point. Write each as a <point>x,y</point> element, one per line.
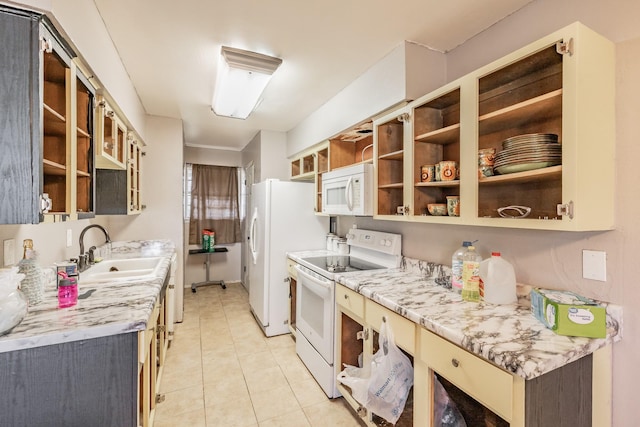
<point>242,77</point>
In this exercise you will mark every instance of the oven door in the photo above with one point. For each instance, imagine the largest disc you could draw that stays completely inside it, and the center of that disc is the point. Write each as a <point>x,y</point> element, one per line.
<point>315,310</point>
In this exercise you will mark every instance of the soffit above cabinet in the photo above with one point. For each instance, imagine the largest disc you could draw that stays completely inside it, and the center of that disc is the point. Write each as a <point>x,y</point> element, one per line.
<point>407,72</point>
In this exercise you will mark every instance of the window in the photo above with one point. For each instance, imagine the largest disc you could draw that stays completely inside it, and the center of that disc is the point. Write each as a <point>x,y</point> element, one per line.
<point>212,201</point>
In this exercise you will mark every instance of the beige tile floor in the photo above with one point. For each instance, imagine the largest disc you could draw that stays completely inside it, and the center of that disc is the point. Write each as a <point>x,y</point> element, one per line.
<point>222,371</point>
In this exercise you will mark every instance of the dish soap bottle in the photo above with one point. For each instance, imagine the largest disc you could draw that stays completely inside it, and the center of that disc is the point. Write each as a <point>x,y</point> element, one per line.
<point>33,283</point>
<point>456,266</point>
<point>499,280</point>
<point>471,275</point>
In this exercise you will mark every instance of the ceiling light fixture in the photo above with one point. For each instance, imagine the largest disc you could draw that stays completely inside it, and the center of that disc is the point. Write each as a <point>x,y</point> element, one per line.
<point>242,77</point>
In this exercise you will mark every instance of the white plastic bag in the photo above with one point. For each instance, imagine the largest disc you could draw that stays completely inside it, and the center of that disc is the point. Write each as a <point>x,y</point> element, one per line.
<point>391,378</point>
<point>357,379</point>
<point>383,386</point>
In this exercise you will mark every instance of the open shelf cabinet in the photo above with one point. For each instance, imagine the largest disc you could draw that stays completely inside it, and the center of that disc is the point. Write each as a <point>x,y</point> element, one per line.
<point>67,134</point>
<point>562,84</point>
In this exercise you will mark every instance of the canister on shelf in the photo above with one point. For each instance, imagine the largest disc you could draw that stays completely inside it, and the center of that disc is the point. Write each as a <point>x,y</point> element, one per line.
<point>486,158</point>
<point>427,173</point>
<point>448,170</point>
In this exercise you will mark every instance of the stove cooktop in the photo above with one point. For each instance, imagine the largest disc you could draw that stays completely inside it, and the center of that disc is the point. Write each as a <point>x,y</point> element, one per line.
<point>341,263</point>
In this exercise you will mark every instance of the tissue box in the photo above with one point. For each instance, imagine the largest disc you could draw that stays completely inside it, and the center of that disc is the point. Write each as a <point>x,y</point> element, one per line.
<point>567,313</point>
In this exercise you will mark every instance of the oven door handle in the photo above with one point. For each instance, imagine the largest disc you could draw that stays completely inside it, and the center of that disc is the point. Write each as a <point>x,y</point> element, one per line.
<point>318,286</point>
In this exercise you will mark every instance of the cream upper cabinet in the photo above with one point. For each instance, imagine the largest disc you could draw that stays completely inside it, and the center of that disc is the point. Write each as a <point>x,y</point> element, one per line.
<point>134,173</point>
<point>546,110</point>
<point>391,159</point>
<point>309,166</point>
<point>111,149</point>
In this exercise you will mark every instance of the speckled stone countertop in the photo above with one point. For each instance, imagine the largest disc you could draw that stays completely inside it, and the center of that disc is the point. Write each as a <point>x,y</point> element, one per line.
<point>509,336</point>
<point>115,307</point>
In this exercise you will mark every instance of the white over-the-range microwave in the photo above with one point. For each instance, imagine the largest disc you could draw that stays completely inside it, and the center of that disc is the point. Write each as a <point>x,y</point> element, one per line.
<point>348,191</point>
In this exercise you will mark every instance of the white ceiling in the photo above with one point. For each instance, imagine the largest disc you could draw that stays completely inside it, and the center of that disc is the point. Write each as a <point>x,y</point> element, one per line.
<point>170,50</point>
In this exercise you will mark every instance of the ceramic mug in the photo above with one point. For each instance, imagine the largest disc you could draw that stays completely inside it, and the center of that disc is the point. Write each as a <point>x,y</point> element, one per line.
<point>436,174</point>
<point>448,170</point>
<point>486,159</point>
<point>427,173</point>
<point>486,156</point>
<point>453,205</point>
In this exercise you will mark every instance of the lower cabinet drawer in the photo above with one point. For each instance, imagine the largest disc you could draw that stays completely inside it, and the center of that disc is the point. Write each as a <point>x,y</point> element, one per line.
<point>404,330</point>
<point>352,301</point>
<point>481,380</point>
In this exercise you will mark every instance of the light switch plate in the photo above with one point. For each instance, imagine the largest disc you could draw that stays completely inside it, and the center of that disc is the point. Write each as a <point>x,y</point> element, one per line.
<point>69,238</point>
<point>594,265</point>
<point>9,252</point>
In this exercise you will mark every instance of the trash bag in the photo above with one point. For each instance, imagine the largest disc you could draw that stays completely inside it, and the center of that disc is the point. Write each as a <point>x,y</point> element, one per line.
<point>445,411</point>
<point>357,379</point>
<point>391,378</point>
<point>383,386</point>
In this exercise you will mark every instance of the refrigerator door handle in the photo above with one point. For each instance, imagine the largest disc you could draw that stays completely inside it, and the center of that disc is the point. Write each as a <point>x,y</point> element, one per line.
<point>252,236</point>
<point>348,193</point>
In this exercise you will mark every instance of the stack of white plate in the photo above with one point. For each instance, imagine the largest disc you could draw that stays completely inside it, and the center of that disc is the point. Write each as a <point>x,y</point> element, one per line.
<point>528,152</point>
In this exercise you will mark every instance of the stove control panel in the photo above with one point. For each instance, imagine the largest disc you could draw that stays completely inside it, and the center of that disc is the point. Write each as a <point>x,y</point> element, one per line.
<point>378,241</point>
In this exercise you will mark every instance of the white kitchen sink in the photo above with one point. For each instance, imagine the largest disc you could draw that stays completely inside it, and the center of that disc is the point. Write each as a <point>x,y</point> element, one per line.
<point>113,269</point>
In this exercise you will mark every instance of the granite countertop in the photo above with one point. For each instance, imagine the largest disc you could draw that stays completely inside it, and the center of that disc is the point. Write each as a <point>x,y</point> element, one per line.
<point>115,307</point>
<point>508,336</point>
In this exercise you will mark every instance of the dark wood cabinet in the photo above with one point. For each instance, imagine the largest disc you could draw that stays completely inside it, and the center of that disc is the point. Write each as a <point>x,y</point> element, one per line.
<point>90,382</point>
<point>20,162</point>
<point>111,192</point>
<point>46,128</point>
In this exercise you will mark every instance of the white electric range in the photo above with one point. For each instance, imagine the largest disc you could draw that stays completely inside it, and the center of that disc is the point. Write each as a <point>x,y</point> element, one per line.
<point>315,298</point>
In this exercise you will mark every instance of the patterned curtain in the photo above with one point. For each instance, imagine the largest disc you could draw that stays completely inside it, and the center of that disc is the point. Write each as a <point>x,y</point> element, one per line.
<point>214,204</point>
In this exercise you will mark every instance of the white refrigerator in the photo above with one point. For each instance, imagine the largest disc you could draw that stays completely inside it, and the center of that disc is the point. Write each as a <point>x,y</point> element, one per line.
<point>282,220</point>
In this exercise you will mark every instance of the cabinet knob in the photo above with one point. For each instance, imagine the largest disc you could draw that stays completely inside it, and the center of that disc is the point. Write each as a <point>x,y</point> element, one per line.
<point>346,297</point>
<point>455,363</point>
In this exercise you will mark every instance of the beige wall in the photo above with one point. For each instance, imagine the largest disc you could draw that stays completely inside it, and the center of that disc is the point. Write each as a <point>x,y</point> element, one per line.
<point>161,190</point>
<point>267,151</point>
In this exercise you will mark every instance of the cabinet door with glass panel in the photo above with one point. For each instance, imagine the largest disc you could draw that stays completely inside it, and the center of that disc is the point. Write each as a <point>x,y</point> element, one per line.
<point>546,112</point>
<point>111,149</point>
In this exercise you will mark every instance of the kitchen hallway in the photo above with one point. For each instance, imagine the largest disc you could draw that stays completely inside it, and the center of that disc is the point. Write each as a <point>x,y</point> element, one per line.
<point>222,371</point>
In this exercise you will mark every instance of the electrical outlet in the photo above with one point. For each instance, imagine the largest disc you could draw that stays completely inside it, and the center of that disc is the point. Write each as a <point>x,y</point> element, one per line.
<point>594,265</point>
<point>9,252</point>
<point>69,238</point>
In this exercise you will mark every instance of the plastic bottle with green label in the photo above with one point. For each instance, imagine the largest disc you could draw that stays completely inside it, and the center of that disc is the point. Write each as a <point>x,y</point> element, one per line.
<point>471,275</point>
<point>456,266</point>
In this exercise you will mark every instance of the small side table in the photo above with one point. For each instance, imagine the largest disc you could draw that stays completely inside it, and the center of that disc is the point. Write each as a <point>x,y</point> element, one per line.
<point>207,281</point>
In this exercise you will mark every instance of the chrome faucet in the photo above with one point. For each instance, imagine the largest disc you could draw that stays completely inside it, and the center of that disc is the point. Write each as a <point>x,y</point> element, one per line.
<point>83,259</point>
